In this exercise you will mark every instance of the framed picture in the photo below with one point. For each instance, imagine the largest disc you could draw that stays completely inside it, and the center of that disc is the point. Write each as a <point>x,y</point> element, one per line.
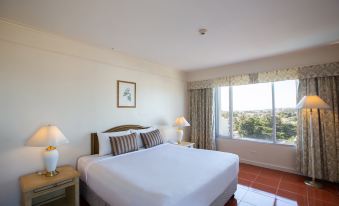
<point>126,92</point>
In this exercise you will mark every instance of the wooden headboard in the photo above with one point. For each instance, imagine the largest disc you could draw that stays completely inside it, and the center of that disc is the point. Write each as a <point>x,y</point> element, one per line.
<point>94,137</point>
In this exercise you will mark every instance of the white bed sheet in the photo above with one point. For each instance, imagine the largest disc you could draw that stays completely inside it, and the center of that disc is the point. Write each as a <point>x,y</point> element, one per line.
<point>165,175</point>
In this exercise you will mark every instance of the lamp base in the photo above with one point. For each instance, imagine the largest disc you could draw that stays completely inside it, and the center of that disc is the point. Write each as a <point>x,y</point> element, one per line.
<point>180,134</point>
<point>51,173</point>
<point>313,183</point>
<point>51,156</point>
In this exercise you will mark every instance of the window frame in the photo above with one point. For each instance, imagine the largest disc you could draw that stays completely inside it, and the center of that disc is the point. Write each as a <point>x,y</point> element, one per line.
<point>230,119</point>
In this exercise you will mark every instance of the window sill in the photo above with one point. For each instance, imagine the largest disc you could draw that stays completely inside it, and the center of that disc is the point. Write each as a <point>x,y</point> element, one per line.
<point>222,138</point>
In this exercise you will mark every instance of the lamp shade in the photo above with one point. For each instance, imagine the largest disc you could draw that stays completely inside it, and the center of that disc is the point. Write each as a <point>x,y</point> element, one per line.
<point>312,102</point>
<point>181,122</point>
<point>49,135</point>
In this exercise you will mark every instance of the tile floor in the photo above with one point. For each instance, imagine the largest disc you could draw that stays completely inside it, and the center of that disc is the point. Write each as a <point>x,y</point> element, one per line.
<point>264,187</point>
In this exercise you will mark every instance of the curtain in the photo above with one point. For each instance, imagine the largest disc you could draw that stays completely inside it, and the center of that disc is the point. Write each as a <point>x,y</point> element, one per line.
<point>201,111</point>
<point>304,72</point>
<point>325,129</point>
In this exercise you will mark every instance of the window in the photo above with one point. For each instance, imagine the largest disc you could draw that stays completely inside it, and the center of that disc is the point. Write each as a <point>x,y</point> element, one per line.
<point>262,112</point>
<point>252,111</point>
<point>285,112</point>
<point>224,115</point>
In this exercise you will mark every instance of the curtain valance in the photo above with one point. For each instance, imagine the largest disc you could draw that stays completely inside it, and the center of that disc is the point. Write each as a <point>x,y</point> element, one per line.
<point>321,70</point>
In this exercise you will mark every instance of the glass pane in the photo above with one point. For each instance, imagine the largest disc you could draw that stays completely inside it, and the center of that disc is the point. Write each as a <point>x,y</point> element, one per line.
<point>224,112</point>
<point>252,111</point>
<point>285,112</point>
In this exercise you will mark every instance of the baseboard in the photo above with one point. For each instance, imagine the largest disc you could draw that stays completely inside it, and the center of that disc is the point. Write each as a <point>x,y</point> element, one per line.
<point>269,166</point>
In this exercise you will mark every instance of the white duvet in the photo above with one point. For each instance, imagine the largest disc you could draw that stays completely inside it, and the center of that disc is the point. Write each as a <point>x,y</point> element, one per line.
<point>165,175</point>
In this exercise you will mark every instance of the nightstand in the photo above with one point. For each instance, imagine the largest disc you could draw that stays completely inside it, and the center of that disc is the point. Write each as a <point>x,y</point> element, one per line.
<point>187,144</point>
<point>62,189</point>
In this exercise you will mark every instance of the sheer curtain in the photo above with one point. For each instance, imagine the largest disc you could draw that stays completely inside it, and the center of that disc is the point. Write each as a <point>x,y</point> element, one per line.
<point>325,130</point>
<point>201,110</point>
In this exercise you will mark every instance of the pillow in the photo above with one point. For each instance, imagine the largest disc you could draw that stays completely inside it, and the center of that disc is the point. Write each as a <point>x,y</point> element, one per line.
<point>152,139</point>
<point>104,141</point>
<point>124,144</point>
<point>138,132</point>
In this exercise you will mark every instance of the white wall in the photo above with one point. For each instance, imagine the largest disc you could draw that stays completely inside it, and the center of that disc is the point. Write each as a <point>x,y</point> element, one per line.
<point>50,79</point>
<point>318,55</point>
<point>279,157</point>
<point>274,156</point>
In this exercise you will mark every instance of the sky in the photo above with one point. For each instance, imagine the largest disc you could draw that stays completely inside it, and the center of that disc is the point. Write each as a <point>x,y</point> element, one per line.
<point>259,96</point>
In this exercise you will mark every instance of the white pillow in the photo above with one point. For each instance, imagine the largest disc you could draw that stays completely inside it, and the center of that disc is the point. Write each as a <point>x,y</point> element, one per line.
<point>105,147</point>
<point>138,131</point>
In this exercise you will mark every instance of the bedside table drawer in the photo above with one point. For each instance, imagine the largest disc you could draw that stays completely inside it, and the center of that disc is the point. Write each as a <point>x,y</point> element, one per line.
<point>64,182</point>
<point>62,189</point>
<point>186,144</point>
<point>48,187</point>
<point>42,189</point>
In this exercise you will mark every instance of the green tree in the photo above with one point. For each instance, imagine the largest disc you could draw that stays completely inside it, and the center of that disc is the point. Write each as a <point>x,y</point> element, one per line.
<point>259,124</point>
<point>254,125</point>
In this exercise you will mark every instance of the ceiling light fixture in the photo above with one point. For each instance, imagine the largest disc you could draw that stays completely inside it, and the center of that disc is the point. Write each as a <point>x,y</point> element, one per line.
<point>202,31</point>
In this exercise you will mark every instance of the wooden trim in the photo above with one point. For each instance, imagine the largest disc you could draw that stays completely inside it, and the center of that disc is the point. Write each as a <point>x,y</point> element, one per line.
<point>135,94</point>
<point>94,136</point>
<point>94,144</point>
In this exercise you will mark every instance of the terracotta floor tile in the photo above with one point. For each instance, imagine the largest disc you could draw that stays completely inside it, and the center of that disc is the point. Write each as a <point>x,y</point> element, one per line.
<point>249,168</point>
<point>321,194</point>
<point>314,202</point>
<point>263,188</point>
<point>300,189</point>
<point>293,178</point>
<point>269,181</point>
<point>271,173</point>
<point>331,187</point>
<point>244,182</point>
<point>247,176</point>
<point>291,197</point>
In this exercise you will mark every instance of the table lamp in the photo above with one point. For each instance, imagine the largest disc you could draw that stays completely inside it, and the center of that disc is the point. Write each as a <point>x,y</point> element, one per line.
<point>48,136</point>
<point>181,122</point>
<point>310,103</point>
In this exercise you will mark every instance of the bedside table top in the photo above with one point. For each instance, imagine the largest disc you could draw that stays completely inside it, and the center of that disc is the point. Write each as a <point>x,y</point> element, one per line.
<point>34,181</point>
<point>186,144</point>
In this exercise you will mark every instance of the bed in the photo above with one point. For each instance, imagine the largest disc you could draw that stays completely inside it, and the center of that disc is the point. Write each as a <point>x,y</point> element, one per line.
<point>164,175</point>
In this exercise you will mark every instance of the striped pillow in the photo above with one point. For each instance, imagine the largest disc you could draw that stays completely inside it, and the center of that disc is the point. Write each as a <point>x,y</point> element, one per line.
<point>151,139</point>
<point>124,144</point>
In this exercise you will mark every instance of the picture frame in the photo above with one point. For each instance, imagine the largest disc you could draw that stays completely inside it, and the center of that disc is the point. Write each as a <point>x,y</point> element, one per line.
<point>126,94</point>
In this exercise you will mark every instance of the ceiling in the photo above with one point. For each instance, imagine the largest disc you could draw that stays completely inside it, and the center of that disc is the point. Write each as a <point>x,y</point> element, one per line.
<point>166,31</point>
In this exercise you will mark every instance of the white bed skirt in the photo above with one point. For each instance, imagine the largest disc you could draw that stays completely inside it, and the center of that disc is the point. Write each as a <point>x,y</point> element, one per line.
<point>94,200</point>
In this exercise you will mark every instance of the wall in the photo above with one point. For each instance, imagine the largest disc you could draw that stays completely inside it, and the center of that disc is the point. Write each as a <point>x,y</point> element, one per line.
<point>274,156</point>
<point>318,55</point>
<point>50,79</point>
<point>279,157</point>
